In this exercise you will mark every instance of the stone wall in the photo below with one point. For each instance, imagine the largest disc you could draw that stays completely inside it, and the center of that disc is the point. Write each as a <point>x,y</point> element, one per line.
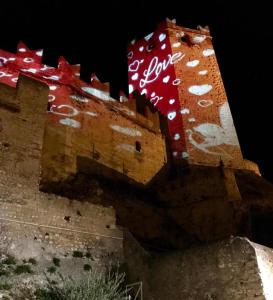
<point>31,220</point>
<point>224,270</point>
<point>124,146</point>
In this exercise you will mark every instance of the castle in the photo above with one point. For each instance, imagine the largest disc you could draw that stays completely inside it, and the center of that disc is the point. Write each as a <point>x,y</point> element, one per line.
<point>166,158</point>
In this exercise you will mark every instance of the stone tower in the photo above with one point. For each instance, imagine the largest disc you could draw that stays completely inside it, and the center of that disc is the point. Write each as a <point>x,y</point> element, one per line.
<point>177,70</point>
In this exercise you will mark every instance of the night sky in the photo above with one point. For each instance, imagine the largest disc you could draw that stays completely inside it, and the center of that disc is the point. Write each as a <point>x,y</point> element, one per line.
<point>96,33</point>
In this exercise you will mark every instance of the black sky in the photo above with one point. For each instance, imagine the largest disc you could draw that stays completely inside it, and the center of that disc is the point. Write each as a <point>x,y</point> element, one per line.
<point>95,34</point>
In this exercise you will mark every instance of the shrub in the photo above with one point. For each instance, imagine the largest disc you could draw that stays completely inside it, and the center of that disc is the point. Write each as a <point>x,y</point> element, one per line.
<point>51,269</point>
<point>10,260</point>
<point>32,261</point>
<point>5,286</point>
<point>87,267</point>
<point>77,254</point>
<point>94,286</point>
<point>56,261</point>
<point>23,269</point>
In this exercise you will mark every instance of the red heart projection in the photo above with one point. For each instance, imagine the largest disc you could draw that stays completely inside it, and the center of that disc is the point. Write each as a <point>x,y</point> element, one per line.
<point>68,95</point>
<point>151,72</point>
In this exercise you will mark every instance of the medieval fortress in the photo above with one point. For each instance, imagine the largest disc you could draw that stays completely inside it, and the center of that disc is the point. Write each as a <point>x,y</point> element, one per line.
<point>158,170</point>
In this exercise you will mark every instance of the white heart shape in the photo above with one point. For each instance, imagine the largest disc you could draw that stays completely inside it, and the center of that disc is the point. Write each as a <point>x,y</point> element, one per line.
<point>166,79</point>
<point>70,122</point>
<point>131,88</point>
<point>134,66</point>
<point>147,37</point>
<point>171,101</point>
<point>184,111</point>
<point>185,155</point>
<point>141,48</point>
<point>198,39</point>
<point>171,115</point>
<point>162,37</point>
<point>200,90</point>
<point>203,72</point>
<point>163,46</point>
<point>144,91</point>
<point>176,81</point>
<point>176,136</point>
<point>135,76</point>
<point>176,45</point>
<point>192,63</point>
<point>208,52</point>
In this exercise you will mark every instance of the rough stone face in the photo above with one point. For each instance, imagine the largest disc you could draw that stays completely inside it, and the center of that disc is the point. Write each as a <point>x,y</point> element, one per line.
<point>232,269</point>
<point>35,224</point>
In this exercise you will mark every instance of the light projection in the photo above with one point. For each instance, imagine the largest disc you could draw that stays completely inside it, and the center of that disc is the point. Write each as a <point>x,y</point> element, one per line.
<point>68,96</point>
<point>176,69</point>
<point>151,72</point>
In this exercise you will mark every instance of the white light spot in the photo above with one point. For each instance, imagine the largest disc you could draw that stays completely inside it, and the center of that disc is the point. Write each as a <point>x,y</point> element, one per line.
<point>198,39</point>
<point>144,92</point>
<point>200,90</point>
<point>191,120</point>
<point>15,79</point>
<point>153,94</point>
<point>31,70</point>
<point>147,37</point>
<point>133,42</point>
<point>70,122</point>
<point>52,87</point>
<point>176,136</point>
<point>77,74</point>
<point>141,49</point>
<point>73,111</point>
<point>39,53</point>
<point>45,67</point>
<point>171,115</point>
<point>126,130</point>
<point>135,76</point>
<point>130,54</point>
<point>28,60</point>
<point>184,111</point>
<point>192,63</point>
<point>79,98</point>
<point>205,103</point>
<point>208,52</point>
<point>22,50</point>
<point>12,58</point>
<point>51,98</point>
<point>97,93</point>
<point>176,81</point>
<point>91,114</point>
<point>53,77</point>
<point>185,155</point>
<point>176,45</point>
<point>203,72</point>
<point>171,101</point>
<point>3,60</point>
<point>163,46</point>
<point>131,88</point>
<point>126,147</point>
<point>166,79</point>
<point>162,37</point>
<point>174,153</point>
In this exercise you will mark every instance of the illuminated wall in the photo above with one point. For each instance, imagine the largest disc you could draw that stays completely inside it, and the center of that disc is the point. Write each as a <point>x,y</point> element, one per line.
<point>177,70</point>
<point>84,121</point>
<point>68,95</point>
